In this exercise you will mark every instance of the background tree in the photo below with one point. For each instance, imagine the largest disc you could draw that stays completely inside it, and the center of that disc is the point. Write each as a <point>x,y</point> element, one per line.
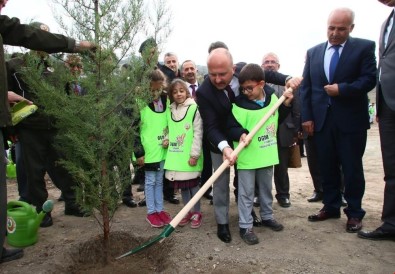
<point>96,130</point>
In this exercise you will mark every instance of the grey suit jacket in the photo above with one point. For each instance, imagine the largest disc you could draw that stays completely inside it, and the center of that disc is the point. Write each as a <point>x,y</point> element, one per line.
<point>387,66</point>
<point>289,128</point>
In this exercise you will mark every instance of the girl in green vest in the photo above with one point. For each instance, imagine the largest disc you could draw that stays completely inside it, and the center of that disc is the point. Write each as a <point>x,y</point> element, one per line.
<point>184,160</point>
<point>150,149</point>
<point>255,163</point>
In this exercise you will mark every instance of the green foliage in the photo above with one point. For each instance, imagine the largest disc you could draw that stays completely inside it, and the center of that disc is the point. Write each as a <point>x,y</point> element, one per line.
<point>96,131</point>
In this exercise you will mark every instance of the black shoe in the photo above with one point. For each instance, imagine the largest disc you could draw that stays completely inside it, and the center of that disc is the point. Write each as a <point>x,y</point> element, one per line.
<point>223,233</point>
<point>129,202</point>
<point>273,224</point>
<point>142,203</point>
<point>284,202</point>
<point>316,197</point>
<point>248,236</point>
<point>208,195</point>
<point>8,255</point>
<point>76,211</point>
<point>172,200</point>
<point>61,198</point>
<point>140,188</point>
<point>256,202</point>
<point>377,235</point>
<point>257,222</point>
<point>47,220</point>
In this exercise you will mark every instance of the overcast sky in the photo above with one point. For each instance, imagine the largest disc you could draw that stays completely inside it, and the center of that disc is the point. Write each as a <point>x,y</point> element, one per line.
<point>250,28</point>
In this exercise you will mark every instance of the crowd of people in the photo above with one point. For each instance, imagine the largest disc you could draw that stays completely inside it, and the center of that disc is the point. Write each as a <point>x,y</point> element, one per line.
<point>192,124</point>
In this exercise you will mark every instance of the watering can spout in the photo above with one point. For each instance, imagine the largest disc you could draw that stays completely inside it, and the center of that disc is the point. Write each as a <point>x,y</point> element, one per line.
<point>35,223</point>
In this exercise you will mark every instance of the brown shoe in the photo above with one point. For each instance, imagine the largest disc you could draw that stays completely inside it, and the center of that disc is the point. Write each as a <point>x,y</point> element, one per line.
<point>323,215</point>
<point>353,225</point>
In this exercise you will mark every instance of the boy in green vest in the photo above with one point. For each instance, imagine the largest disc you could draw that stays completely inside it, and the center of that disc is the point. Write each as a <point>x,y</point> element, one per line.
<point>255,163</point>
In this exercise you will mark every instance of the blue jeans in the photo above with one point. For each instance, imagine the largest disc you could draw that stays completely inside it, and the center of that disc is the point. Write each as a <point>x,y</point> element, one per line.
<point>154,189</point>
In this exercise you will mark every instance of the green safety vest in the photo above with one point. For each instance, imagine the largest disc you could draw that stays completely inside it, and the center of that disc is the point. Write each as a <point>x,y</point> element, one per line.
<point>153,128</point>
<point>262,151</point>
<point>180,141</point>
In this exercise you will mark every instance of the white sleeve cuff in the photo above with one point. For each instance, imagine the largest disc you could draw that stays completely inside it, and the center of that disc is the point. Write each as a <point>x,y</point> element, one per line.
<point>222,145</point>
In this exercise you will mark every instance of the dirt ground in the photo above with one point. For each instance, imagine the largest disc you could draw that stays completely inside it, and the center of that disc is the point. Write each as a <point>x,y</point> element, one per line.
<point>69,245</point>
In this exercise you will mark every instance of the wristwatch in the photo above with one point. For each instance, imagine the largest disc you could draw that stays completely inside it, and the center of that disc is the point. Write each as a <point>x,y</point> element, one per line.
<point>287,79</point>
<point>77,46</point>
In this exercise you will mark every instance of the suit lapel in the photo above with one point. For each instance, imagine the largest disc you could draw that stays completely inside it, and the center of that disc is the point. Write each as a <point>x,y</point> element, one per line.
<point>222,98</point>
<point>321,53</point>
<point>391,35</point>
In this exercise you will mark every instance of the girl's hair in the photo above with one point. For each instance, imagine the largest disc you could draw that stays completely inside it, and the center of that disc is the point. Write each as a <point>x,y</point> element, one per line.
<point>177,82</point>
<point>251,72</point>
<point>158,75</point>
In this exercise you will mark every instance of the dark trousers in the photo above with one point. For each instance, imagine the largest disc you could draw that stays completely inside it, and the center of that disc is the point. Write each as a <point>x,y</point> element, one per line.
<point>207,165</point>
<point>314,169</point>
<point>40,157</point>
<point>21,173</point>
<point>341,151</point>
<point>281,178</point>
<point>387,137</point>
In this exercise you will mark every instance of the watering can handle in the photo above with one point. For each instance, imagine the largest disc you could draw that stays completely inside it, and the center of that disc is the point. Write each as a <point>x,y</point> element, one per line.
<point>12,204</point>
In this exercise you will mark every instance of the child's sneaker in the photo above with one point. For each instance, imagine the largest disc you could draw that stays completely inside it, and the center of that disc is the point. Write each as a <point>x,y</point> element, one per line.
<point>248,236</point>
<point>154,220</point>
<point>186,219</point>
<point>164,217</point>
<point>196,220</point>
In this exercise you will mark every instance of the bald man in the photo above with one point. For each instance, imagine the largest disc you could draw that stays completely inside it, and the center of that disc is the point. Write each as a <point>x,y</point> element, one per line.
<point>215,98</point>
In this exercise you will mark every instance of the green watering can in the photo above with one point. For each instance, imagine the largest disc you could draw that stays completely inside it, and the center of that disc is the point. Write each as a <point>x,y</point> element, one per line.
<point>23,222</point>
<point>11,170</point>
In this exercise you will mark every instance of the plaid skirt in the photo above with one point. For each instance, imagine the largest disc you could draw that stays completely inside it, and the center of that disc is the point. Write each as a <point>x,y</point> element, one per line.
<point>186,184</point>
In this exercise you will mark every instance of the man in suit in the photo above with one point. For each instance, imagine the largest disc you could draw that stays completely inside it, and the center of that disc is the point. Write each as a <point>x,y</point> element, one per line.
<point>287,135</point>
<point>189,75</point>
<point>215,98</point>
<point>385,103</point>
<point>334,108</point>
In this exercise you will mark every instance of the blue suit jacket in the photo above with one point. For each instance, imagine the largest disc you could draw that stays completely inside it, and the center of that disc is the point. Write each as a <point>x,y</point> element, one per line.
<point>355,75</point>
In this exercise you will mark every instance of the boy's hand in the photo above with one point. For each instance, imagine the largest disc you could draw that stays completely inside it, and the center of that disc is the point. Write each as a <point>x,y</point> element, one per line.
<point>243,139</point>
<point>165,143</point>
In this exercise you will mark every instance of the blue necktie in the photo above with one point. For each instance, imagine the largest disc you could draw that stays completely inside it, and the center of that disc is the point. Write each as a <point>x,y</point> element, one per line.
<point>333,63</point>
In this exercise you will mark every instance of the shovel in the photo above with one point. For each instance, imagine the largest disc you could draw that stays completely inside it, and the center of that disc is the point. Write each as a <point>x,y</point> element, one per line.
<point>177,219</point>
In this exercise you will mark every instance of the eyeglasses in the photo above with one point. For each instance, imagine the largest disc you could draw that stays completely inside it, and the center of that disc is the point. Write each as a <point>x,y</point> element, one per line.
<point>267,62</point>
<point>248,89</point>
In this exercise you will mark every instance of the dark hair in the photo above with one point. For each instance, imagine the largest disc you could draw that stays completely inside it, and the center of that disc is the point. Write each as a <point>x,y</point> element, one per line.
<point>251,72</point>
<point>239,67</point>
<point>217,45</point>
<point>150,42</point>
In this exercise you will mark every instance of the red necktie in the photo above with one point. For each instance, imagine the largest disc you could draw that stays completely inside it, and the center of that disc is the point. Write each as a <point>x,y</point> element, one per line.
<point>231,94</point>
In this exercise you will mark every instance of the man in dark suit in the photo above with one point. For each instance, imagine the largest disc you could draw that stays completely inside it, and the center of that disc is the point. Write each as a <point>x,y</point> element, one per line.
<point>335,108</point>
<point>215,98</point>
<point>385,103</point>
